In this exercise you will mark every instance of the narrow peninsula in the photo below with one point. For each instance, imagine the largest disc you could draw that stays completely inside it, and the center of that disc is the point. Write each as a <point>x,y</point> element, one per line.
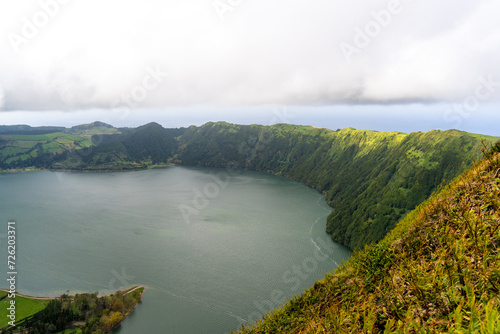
<point>80,313</point>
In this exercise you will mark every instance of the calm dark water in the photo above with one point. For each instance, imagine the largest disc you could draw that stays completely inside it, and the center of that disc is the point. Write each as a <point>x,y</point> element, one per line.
<point>214,249</point>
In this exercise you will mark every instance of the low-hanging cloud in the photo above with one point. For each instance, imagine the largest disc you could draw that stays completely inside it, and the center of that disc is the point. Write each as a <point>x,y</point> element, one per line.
<point>85,54</point>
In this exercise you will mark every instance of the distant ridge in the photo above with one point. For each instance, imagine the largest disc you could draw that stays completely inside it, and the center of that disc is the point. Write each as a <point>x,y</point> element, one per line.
<point>23,129</point>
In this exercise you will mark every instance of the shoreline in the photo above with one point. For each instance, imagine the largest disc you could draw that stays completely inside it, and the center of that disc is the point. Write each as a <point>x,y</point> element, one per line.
<point>34,169</point>
<point>125,290</point>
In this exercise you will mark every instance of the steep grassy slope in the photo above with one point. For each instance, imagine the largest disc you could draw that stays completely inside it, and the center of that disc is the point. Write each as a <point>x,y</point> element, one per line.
<point>372,179</point>
<point>438,271</point>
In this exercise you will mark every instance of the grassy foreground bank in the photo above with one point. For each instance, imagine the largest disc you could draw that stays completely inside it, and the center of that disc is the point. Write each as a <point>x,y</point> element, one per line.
<point>438,271</point>
<point>25,307</point>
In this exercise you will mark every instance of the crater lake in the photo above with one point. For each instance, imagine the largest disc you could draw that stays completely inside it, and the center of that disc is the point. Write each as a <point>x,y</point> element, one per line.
<point>215,248</point>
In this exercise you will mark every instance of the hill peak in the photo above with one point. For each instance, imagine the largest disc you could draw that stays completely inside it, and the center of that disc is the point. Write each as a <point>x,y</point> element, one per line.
<point>150,126</point>
<point>92,125</point>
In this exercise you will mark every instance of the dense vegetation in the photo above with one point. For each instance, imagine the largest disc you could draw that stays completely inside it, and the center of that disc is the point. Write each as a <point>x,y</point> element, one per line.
<point>85,313</point>
<point>438,271</point>
<point>372,179</point>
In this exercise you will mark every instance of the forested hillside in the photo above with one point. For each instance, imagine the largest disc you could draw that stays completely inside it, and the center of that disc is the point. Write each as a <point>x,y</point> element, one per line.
<point>372,179</point>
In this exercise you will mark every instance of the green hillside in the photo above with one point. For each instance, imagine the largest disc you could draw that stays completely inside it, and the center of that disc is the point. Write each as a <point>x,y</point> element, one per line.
<point>146,146</point>
<point>372,179</point>
<point>25,150</point>
<point>438,271</point>
<point>22,146</point>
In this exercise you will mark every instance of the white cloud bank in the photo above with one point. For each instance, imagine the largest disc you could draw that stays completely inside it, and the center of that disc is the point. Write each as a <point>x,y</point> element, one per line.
<point>69,54</point>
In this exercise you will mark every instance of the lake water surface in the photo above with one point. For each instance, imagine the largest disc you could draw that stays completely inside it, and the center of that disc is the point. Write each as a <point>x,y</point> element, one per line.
<point>214,249</point>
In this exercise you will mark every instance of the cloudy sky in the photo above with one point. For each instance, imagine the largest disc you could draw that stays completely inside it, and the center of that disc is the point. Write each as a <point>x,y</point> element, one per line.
<point>374,64</point>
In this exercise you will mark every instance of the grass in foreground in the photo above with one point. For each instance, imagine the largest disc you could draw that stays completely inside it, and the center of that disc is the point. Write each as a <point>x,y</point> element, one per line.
<point>25,307</point>
<point>437,272</point>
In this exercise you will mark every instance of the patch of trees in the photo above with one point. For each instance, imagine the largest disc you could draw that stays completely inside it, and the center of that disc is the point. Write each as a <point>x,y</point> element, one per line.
<point>98,314</point>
